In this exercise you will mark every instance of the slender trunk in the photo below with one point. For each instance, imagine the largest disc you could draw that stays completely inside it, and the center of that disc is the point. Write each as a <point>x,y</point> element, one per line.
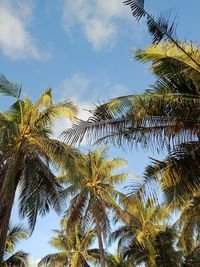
<point>100,242</point>
<point>4,222</point>
<point>7,196</point>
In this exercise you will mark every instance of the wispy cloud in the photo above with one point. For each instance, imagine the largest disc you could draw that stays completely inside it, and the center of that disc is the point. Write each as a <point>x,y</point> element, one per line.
<point>98,19</point>
<point>84,91</point>
<point>74,88</point>
<point>79,87</point>
<point>16,40</point>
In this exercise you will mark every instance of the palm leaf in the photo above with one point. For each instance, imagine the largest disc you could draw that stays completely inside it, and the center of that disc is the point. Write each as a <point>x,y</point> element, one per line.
<point>39,194</point>
<point>15,234</point>
<point>178,174</point>
<point>159,29</point>
<point>53,259</point>
<point>9,88</point>
<point>18,259</point>
<point>137,7</point>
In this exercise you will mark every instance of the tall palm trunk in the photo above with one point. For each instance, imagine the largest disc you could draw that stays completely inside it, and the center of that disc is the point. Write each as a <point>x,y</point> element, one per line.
<point>7,196</point>
<point>100,242</point>
<point>4,222</point>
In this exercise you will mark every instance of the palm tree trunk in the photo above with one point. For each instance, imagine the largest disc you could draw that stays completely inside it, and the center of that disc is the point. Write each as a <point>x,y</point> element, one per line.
<point>100,242</point>
<point>4,222</point>
<point>7,196</point>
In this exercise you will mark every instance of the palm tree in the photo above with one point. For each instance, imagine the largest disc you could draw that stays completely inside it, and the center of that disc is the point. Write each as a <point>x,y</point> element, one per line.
<point>179,173</point>
<point>74,246</point>
<point>139,235</point>
<point>26,150</point>
<point>166,116</point>
<point>19,258</point>
<point>176,65</point>
<point>91,187</point>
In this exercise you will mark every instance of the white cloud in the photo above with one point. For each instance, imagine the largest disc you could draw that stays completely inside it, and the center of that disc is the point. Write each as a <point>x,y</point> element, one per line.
<point>16,41</point>
<point>100,33</point>
<point>85,92</point>
<point>75,86</point>
<point>74,89</point>
<point>97,18</point>
<point>33,262</point>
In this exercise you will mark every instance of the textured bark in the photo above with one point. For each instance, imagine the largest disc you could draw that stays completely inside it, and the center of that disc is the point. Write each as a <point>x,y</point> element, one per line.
<point>7,196</point>
<point>4,222</point>
<point>100,242</point>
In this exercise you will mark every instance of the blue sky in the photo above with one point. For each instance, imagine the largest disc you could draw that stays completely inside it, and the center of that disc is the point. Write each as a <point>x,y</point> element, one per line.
<point>81,49</point>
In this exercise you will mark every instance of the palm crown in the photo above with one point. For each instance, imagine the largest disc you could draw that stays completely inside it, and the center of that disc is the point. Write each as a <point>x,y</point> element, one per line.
<point>93,192</point>
<point>19,258</point>
<point>27,148</point>
<point>75,248</point>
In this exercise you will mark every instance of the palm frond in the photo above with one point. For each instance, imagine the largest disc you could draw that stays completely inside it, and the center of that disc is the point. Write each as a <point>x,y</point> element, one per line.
<point>165,249</point>
<point>15,234</point>
<point>45,100</point>
<point>149,119</point>
<point>178,174</point>
<point>162,28</point>
<point>52,112</point>
<point>60,153</point>
<point>164,53</point>
<point>9,88</point>
<point>137,7</point>
<point>39,194</point>
<point>53,259</point>
<point>188,224</point>
<point>76,209</point>
<point>18,259</point>
<point>159,29</point>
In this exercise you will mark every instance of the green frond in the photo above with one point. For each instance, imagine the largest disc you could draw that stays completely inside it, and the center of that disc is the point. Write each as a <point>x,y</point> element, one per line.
<point>189,225</point>
<point>119,178</point>
<point>118,261</point>
<point>178,174</point>
<point>15,234</point>
<point>60,153</point>
<point>45,100</point>
<point>54,111</point>
<point>135,252</point>
<point>149,120</point>
<point>18,259</point>
<point>75,247</point>
<point>88,238</point>
<point>160,29</point>
<point>39,194</point>
<point>52,259</point>
<point>92,184</point>
<point>165,249</point>
<point>142,221</point>
<point>9,88</point>
<point>111,165</point>
<point>166,56</point>
<point>76,208</point>
<point>137,7</point>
